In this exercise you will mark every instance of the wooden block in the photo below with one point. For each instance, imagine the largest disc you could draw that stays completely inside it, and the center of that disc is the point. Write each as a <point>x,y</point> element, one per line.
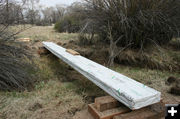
<point>24,39</point>
<point>105,103</point>
<point>72,52</point>
<point>108,114</point>
<point>156,111</point>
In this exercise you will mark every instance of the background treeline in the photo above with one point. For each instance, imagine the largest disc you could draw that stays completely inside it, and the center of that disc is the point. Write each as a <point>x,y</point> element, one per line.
<point>29,12</point>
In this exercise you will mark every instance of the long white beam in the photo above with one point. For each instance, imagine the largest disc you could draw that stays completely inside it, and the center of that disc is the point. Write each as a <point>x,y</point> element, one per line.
<point>133,94</point>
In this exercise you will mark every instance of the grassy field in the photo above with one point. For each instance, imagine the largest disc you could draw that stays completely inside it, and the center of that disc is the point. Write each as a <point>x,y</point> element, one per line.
<point>41,33</point>
<point>60,92</point>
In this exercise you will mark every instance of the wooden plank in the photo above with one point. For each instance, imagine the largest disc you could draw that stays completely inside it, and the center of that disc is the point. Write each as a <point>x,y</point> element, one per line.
<point>73,52</point>
<point>24,40</point>
<point>131,93</point>
<point>106,103</point>
<point>108,114</point>
<point>155,111</point>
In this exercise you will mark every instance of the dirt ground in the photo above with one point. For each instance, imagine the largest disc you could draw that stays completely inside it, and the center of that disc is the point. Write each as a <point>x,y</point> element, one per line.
<point>61,92</point>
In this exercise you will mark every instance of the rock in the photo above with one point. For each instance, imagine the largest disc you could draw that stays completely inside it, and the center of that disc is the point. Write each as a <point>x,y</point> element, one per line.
<point>70,68</point>
<point>27,47</point>
<point>174,84</point>
<point>71,41</point>
<point>34,48</point>
<point>43,51</point>
<point>175,90</point>
<point>35,107</point>
<point>73,110</point>
<point>170,80</point>
<point>59,43</point>
<point>64,44</point>
<point>59,103</point>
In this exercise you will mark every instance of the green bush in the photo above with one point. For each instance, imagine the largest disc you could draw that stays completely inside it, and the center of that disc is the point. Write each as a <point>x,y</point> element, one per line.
<point>137,22</point>
<point>70,23</point>
<point>62,25</point>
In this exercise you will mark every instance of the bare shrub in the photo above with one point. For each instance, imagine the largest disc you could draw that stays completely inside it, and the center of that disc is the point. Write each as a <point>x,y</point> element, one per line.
<point>133,23</point>
<point>13,70</point>
<point>141,22</point>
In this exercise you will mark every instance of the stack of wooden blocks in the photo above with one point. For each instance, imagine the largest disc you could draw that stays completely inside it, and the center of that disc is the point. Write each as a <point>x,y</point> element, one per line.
<point>109,108</point>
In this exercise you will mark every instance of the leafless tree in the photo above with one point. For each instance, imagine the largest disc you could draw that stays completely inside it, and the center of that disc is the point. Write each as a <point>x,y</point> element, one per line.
<point>11,13</point>
<point>114,50</point>
<point>60,10</point>
<point>32,11</point>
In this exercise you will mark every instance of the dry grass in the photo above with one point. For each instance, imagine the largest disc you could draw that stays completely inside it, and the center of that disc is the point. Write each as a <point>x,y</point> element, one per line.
<point>58,95</point>
<point>153,78</point>
<point>56,98</point>
<point>41,33</point>
<point>53,96</point>
<point>153,58</point>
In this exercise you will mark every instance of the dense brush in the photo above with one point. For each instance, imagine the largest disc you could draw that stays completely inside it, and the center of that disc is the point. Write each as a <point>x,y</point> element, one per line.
<point>13,70</point>
<point>137,22</point>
